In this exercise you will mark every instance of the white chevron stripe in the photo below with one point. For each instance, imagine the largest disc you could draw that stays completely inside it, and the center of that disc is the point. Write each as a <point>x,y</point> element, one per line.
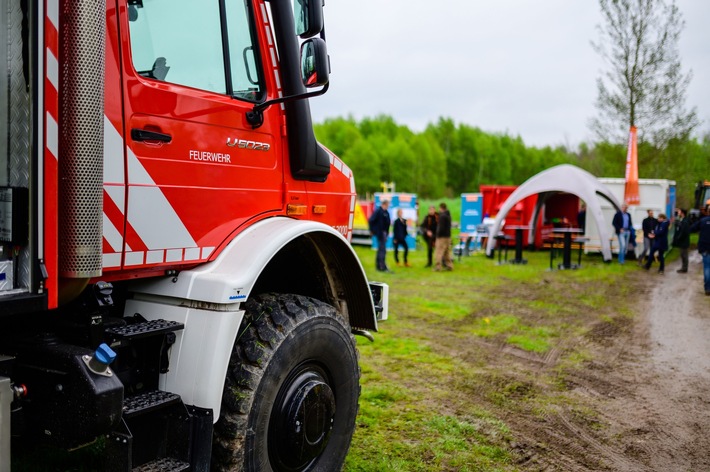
<point>155,220</point>
<point>52,69</point>
<point>151,214</point>
<point>112,235</point>
<point>116,194</point>
<point>52,136</point>
<point>113,155</point>
<point>53,12</point>
<point>137,175</point>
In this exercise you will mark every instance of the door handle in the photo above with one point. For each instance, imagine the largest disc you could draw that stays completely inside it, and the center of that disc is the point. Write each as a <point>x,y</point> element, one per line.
<point>147,135</point>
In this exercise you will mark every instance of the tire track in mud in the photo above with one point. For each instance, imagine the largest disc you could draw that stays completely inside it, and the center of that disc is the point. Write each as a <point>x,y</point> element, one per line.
<point>679,321</point>
<point>609,456</point>
<point>663,419</point>
<point>648,386</point>
<point>641,403</point>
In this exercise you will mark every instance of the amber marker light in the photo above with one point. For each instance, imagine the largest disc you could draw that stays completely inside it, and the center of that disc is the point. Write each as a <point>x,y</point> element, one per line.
<point>296,210</point>
<point>318,209</point>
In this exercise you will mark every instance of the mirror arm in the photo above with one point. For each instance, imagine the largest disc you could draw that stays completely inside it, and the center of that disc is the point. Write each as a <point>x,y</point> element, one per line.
<point>255,117</point>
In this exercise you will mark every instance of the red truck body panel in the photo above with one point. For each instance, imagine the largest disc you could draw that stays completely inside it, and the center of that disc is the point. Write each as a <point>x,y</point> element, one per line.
<point>169,206</point>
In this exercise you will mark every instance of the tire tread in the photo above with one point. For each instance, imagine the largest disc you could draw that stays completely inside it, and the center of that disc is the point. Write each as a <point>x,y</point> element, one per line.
<point>269,318</point>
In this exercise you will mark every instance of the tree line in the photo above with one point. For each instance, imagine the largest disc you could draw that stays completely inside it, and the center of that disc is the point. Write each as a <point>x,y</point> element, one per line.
<point>448,158</point>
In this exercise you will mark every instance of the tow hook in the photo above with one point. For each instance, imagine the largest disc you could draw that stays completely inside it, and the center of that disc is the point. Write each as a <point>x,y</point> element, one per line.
<point>364,334</point>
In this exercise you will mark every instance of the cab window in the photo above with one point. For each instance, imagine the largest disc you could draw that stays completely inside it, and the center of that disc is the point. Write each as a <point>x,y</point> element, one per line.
<point>183,42</point>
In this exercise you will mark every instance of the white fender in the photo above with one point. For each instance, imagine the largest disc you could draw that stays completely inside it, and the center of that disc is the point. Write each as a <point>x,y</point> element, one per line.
<point>207,299</point>
<point>230,278</point>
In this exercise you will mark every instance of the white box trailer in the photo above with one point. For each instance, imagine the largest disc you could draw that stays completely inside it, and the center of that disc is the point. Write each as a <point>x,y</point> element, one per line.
<point>655,194</point>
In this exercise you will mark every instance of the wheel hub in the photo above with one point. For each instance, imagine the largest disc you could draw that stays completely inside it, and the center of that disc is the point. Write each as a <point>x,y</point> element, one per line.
<point>304,420</point>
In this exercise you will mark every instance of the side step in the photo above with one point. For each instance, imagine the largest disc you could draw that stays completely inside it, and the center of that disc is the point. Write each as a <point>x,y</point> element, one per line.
<point>163,465</point>
<point>147,402</point>
<point>155,431</point>
<point>143,329</point>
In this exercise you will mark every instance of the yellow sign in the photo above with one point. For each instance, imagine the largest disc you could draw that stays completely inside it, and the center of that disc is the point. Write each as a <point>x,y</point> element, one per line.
<point>359,220</point>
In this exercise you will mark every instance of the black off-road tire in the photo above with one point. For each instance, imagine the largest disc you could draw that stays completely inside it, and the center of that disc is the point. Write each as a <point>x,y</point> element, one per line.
<point>291,392</point>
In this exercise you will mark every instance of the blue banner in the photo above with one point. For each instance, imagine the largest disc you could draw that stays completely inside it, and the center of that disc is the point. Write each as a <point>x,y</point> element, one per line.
<point>408,203</point>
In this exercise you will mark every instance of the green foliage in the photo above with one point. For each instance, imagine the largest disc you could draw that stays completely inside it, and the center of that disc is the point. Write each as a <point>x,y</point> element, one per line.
<point>445,159</point>
<point>365,164</point>
<point>448,159</point>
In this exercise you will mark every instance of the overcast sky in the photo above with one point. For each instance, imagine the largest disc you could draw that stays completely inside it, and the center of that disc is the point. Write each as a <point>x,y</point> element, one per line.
<point>525,67</point>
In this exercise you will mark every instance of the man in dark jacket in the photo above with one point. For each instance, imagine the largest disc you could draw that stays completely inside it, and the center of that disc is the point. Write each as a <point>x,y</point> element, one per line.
<point>399,238</point>
<point>647,226</point>
<point>681,238</point>
<point>703,225</point>
<point>622,225</point>
<point>442,254</point>
<point>380,228</point>
<point>660,243</point>
<point>428,227</point>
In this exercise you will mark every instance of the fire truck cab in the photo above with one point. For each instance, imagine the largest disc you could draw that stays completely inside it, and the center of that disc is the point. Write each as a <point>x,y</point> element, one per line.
<point>177,287</point>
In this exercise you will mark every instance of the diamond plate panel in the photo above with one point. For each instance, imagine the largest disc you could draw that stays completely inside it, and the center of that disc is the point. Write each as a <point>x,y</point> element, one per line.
<point>15,116</point>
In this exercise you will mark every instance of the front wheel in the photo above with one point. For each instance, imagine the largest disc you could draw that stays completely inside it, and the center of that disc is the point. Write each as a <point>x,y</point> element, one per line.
<point>291,392</point>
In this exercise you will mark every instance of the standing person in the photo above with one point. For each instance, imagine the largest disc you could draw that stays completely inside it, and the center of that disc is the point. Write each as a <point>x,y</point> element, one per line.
<point>380,228</point>
<point>429,231</point>
<point>647,226</point>
<point>399,238</point>
<point>442,254</point>
<point>582,218</point>
<point>622,225</point>
<point>703,225</point>
<point>660,243</point>
<point>681,238</point>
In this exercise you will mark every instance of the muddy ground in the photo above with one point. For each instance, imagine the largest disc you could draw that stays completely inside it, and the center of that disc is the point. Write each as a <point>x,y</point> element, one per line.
<point>644,399</point>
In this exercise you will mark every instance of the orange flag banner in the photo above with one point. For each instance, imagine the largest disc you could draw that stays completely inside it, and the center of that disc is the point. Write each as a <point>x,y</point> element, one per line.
<point>631,189</point>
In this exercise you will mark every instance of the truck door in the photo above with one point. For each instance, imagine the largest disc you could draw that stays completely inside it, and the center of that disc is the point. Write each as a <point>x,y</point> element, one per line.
<point>196,170</point>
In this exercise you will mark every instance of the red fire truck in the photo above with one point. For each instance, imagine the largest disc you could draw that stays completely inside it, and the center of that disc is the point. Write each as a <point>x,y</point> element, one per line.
<point>177,287</point>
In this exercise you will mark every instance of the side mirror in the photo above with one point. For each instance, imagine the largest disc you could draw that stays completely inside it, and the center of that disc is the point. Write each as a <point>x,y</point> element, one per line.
<point>315,67</point>
<point>309,17</point>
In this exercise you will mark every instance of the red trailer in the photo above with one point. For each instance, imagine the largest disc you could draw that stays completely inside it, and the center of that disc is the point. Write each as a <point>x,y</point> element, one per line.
<point>494,196</point>
<point>560,210</point>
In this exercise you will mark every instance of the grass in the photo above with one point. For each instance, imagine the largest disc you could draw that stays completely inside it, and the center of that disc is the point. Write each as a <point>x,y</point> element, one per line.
<point>438,383</point>
<point>466,354</point>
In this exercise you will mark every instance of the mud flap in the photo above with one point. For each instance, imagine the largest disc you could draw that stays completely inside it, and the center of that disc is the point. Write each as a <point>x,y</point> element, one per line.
<point>380,297</point>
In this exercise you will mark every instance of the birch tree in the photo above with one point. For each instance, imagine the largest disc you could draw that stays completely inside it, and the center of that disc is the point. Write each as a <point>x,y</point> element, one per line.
<point>644,85</point>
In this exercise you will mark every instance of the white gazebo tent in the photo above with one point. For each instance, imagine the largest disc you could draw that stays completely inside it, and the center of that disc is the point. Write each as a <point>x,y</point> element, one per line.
<point>564,178</point>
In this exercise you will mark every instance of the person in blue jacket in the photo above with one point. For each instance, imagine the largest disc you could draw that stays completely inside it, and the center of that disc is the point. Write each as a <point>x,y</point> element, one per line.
<point>380,228</point>
<point>622,226</point>
<point>703,225</point>
<point>659,236</point>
